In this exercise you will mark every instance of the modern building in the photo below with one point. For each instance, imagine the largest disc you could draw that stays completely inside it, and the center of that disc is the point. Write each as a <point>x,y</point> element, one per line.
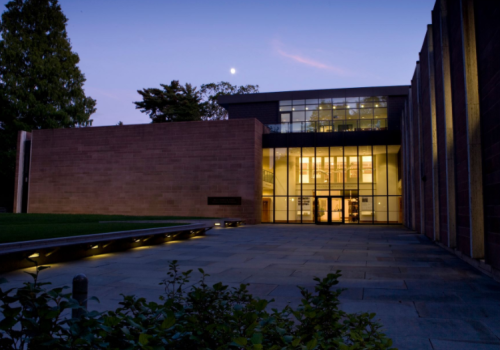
<point>321,156</point>
<point>328,156</point>
<point>426,155</point>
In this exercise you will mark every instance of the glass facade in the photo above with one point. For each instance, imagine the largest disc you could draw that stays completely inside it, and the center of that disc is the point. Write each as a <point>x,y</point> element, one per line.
<point>332,115</point>
<point>351,184</point>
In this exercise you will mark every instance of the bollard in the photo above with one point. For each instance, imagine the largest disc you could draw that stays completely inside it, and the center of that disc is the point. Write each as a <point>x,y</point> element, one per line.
<point>80,293</point>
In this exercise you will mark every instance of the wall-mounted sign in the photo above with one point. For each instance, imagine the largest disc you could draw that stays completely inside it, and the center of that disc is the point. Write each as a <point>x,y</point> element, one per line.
<point>305,202</point>
<point>366,204</point>
<point>224,200</point>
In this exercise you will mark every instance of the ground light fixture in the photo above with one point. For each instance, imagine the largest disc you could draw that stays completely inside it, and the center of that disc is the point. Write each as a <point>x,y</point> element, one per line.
<point>94,246</point>
<point>34,255</point>
<point>217,224</point>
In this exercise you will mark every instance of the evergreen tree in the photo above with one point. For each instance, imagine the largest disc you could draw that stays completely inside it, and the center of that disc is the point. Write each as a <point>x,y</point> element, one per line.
<point>175,103</point>
<point>40,84</point>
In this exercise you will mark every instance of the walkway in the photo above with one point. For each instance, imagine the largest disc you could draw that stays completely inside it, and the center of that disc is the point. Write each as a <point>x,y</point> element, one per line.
<point>425,297</point>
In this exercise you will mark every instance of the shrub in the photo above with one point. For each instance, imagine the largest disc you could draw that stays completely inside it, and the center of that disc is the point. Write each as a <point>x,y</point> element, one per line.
<point>199,317</point>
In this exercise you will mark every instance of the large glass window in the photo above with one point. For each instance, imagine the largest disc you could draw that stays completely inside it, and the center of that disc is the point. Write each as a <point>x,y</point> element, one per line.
<point>267,184</point>
<point>365,170</point>
<point>393,172</point>
<point>337,169</point>
<point>322,171</point>
<point>365,179</point>
<point>380,170</point>
<point>337,114</point>
<point>281,178</point>
<point>294,171</point>
<point>308,171</point>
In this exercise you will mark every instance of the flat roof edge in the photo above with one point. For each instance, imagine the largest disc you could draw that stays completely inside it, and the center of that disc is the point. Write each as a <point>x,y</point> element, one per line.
<point>324,93</point>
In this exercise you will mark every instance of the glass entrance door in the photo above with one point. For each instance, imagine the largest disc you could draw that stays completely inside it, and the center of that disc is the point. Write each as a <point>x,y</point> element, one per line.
<point>337,210</point>
<point>329,210</point>
<point>322,210</point>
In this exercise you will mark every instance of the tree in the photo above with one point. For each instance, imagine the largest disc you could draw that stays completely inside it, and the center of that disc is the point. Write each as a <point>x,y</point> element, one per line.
<point>210,93</point>
<point>41,86</point>
<point>175,103</point>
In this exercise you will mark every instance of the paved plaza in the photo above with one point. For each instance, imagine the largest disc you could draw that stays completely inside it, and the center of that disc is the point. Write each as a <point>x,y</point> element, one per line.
<point>425,297</point>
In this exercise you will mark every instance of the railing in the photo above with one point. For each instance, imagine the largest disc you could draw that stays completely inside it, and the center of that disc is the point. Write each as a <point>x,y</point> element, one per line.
<point>329,126</point>
<point>267,176</point>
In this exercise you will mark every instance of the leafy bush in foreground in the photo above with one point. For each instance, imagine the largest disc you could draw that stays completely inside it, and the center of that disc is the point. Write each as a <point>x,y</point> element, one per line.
<point>201,317</point>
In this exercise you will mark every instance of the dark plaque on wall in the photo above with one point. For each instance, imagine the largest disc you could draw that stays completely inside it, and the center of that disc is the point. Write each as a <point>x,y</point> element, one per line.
<point>224,200</point>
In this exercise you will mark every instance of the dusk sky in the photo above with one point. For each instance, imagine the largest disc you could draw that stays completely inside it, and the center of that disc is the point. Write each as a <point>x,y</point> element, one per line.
<point>126,45</point>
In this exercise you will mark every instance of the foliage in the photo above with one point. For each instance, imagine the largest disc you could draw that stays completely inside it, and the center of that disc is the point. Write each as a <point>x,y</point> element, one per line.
<point>175,103</point>
<point>41,85</point>
<point>200,317</point>
<point>211,92</point>
<point>184,103</point>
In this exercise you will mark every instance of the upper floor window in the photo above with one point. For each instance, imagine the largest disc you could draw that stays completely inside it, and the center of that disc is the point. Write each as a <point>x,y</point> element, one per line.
<point>333,114</point>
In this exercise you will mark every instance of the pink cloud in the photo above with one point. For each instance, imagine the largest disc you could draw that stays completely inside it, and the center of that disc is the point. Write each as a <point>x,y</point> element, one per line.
<point>310,62</point>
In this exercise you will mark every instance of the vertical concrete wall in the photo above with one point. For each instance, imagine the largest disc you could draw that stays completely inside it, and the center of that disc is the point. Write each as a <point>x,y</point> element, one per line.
<point>20,177</point>
<point>451,126</point>
<point>487,28</point>
<point>152,169</point>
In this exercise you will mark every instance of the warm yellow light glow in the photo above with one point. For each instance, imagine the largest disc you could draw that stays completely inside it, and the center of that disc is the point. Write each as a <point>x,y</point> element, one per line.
<point>95,246</point>
<point>100,256</point>
<point>217,224</point>
<point>34,255</point>
<point>376,105</point>
<point>362,105</point>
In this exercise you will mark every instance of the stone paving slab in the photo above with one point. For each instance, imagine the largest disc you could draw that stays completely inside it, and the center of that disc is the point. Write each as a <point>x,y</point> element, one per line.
<point>425,297</point>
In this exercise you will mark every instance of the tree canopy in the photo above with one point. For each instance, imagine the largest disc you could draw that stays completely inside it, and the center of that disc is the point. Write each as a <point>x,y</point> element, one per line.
<point>176,102</point>
<point>173,103</point>
<point>41,85</point>
<point>210,93</point>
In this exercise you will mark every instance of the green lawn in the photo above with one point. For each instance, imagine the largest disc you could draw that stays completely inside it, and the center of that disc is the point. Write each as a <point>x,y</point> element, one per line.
<point>26,227</point>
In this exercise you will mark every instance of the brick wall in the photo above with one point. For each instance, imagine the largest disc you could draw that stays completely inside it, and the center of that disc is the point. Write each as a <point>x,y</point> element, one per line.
<point>150,169</point>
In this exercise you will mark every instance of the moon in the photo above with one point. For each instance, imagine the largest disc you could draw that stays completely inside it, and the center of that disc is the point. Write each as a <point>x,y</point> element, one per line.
<point>233,71</point>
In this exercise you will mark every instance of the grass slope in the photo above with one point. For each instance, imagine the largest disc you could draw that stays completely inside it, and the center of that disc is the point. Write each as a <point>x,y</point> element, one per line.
<point>26,227</point>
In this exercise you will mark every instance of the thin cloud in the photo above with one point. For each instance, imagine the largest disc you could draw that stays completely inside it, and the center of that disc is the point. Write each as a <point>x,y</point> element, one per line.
<point>310,62</point>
